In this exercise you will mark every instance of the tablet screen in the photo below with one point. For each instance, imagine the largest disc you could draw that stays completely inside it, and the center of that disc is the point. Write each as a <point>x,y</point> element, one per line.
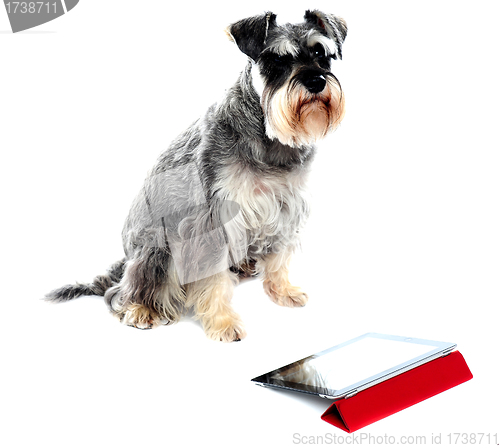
<point>355,363</point>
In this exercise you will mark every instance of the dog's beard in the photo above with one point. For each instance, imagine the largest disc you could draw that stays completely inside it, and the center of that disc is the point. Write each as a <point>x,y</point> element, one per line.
<point>297,117</point>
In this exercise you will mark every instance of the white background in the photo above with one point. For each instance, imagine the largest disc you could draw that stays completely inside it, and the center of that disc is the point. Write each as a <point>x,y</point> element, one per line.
<point>403,239</point>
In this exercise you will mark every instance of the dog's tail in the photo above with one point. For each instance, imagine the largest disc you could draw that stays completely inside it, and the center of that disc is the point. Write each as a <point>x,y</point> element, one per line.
<point>97,288</point>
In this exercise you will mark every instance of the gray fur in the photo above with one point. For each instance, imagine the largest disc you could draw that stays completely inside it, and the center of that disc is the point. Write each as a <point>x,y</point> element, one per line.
<point>98,287</point>
<point>185,225</point>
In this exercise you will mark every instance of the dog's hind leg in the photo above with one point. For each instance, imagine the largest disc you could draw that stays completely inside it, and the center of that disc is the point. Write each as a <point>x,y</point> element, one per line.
<point>149,293</point>
<point>210,299</point>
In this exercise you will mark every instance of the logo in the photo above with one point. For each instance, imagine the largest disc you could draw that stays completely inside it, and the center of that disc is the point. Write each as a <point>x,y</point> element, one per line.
<point>203,239</point>
<point>25,15</point>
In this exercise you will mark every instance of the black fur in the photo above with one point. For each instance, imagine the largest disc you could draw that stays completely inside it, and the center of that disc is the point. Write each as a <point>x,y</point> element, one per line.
<point>250,34</point>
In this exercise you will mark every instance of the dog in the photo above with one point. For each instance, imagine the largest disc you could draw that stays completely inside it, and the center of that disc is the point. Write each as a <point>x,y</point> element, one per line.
<point>226,200</point>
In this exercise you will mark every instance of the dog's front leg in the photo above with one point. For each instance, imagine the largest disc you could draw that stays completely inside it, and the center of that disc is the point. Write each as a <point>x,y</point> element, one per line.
<point>210,299</point>
<point>274,268</point>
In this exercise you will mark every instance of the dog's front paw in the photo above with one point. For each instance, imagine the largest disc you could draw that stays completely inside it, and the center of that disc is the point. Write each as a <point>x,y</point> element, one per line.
<point>225,329</point>
<point>291,296</point>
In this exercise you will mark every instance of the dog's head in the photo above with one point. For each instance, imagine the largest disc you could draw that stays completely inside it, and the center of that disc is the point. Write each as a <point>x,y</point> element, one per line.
<point>301,98</point>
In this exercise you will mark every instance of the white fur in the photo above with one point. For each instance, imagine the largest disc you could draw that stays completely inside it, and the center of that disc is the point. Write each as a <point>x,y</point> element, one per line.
<point>262,199</point>
<point>257,79</point>
<point>284,46</point>
<point>313,38</point>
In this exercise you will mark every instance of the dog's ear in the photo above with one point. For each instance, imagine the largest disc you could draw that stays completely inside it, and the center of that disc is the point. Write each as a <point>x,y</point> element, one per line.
<point>331,26</point>
<point>250,34</point>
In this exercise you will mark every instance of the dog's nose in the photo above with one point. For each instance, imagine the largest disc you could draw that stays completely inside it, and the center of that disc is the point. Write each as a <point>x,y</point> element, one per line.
<point>315,84</point>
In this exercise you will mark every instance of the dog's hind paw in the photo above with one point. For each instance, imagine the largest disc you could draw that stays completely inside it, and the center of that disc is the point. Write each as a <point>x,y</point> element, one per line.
<point>141,317</point>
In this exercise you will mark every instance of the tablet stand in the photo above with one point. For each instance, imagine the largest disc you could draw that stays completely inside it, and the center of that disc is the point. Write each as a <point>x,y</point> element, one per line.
<point>398,393</point>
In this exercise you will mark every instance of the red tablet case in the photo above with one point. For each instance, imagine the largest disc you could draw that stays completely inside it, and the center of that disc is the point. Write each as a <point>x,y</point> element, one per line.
<point>398,393</point>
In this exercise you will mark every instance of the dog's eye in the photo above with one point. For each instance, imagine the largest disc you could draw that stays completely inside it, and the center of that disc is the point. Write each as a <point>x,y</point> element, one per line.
<point>319,51</point>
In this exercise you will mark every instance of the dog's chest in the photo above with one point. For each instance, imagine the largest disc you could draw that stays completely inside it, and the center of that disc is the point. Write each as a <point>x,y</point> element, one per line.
<point>271,206</point>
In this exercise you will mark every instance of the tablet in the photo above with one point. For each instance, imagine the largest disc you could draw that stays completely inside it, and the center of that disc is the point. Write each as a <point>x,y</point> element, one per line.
<point>346,369</point>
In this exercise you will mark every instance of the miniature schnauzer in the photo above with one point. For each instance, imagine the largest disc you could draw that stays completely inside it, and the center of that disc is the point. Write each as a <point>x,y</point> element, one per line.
<point>226,200</point>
